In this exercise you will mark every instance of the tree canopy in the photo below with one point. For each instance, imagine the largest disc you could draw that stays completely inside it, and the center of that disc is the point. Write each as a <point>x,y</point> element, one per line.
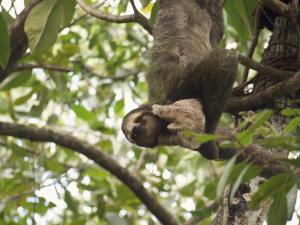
<point>69,72</point>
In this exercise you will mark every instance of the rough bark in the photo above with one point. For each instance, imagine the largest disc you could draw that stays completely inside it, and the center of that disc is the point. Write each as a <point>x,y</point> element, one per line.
<point>281,53</point>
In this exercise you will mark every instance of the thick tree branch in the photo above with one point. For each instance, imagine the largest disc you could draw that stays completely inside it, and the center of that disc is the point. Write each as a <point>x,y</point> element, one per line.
<point>137,17</point>
<point>94,154</point>
<point>258,100</point>
<point>278,7</point>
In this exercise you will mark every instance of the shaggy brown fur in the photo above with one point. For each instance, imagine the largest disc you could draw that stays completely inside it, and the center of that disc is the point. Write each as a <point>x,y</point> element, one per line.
<point>185,62</point>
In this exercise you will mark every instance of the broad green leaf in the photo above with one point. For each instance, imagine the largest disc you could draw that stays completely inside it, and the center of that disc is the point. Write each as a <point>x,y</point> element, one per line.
<point>240,16</point>
<point>245,137</point>
<point>84,114</point>
<point>145,2</point>
<point>122,6</point>
<point>278,212</point>
<point>250,173</point>
<point>242,12</point>
<point>89,117</point>
<point>7,17</point>
<point>270,187</point>
<point>45,21</point>
<point>21,100</point>
<point>291,198</point>
<point>210,190</point>
<point>224,177</point>
<point>154,12</point>
<point>199,138</point>
<point>290,112</point>
<point>4,43</point>
<point>292,125</point>
<point>261,117</point>
<point>119,106</point>
<point>15,80</point>
<point>97,173</point>
<point>285,142</point>
<point>71,202</point>
<point>238,182</point>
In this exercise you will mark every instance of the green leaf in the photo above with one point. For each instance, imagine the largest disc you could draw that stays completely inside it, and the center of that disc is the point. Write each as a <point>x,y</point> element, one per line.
<point>290,112</point>
<point>154,13</point>
<point>7,17</point>
<point>45,21</point>
<point>292,125</point>
<point>4,43</point>
<point>278,212</point>
<point>119,106</point>
<point>71,202</point>
<point>286,142</point>
<point>271,186</point>
<point>245,137</point>
<point>199,138</point>
<point>15,80</point>
<point>291,198</point>
<point>224,177</point>
<point>260,118</point>
<point>238,182</point>
<point>244,13</point>
<point>145,2</point>
<point>210,190</point>
<point>84,114</point>
<point>21,100</point>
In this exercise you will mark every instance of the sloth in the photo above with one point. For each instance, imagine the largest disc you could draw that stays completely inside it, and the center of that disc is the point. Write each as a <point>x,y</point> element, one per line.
<point>185,66</point>
<point>153,125</point>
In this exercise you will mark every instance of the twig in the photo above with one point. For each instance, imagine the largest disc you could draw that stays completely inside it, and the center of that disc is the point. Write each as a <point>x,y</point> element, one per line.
<point>132,18</point>
<point>42,66</point>
<point>276,73</point>
<point>82,16</point>
<point>256,29</point>
<point>140,161</point>
<point>225,205</point>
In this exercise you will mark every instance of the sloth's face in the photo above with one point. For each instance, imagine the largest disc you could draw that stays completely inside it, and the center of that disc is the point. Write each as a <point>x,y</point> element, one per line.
<point>142,128</point>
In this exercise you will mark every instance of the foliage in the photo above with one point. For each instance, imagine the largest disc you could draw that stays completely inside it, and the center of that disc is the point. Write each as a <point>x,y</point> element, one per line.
<point>52,185</point>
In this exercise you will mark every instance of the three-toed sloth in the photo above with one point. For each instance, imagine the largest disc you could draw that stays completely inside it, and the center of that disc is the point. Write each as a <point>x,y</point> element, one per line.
<point>189,78</point>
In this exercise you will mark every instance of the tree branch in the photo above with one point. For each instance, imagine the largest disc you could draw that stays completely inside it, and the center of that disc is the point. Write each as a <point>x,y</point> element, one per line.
<point>255,36</point>
<point>258,100</point>
<point>278,7</point>
<point>57,68</point>
<point>265,69</point>
<point>137,17</point>
<point>18,39</point>
<point>94,154</point>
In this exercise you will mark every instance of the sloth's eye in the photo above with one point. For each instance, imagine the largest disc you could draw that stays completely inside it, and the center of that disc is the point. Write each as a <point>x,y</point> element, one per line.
<point>136,131</point>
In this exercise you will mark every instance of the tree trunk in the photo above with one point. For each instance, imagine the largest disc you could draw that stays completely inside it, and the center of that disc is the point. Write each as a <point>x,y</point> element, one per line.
<point>282,53</point>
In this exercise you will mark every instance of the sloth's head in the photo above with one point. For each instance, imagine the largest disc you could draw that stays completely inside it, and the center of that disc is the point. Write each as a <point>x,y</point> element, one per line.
<point>142,127</point>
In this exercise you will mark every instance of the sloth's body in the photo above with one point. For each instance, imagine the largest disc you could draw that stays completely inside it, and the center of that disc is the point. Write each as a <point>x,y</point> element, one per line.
<point>182,38</point>
<point>186,63</point>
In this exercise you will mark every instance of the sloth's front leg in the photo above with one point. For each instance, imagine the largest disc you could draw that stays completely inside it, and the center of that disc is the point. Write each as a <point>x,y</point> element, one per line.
<point>182,115</point>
